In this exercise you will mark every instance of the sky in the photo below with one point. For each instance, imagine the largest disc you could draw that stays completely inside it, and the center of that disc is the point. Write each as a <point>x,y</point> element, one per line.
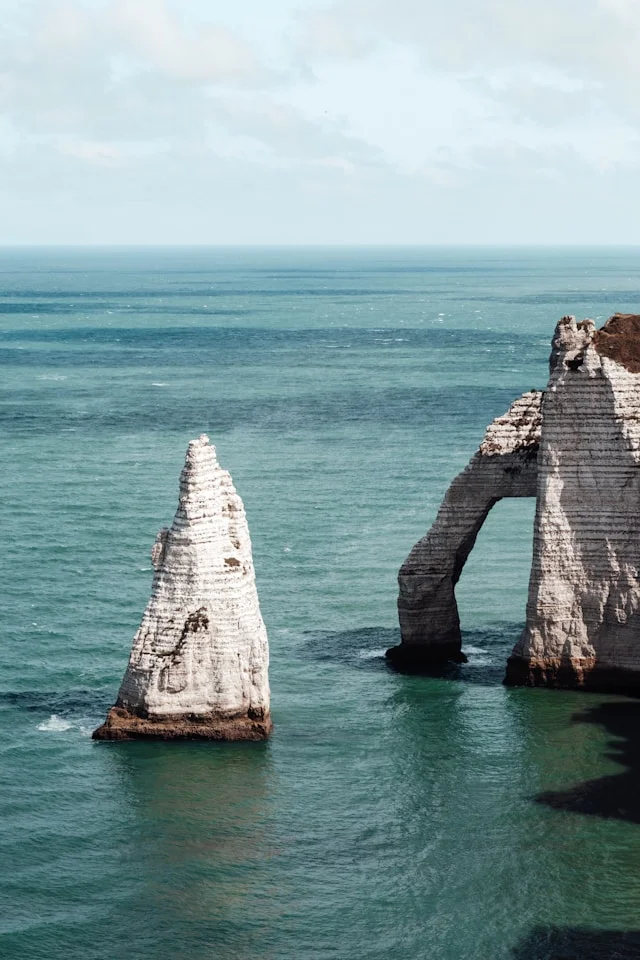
<point>319,122</point>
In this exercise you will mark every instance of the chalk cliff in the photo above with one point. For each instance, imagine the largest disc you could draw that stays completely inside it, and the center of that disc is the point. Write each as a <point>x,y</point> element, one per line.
<point>583,611</point>
<point>199,664</point>
<point>504,466</point>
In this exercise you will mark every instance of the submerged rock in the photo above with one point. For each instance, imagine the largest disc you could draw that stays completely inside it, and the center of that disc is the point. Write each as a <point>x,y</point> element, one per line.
<point>199,664</point>
<point>504,466</point>
<point>579,454</point>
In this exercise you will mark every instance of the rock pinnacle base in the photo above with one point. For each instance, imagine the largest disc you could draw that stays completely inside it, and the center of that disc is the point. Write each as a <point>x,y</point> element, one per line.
<point>577,674</point>
<point>122,724</point>
<point>419,658</point>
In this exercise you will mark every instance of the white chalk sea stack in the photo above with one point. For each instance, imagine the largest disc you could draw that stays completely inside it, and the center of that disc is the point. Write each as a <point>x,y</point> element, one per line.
<point>199,664</point>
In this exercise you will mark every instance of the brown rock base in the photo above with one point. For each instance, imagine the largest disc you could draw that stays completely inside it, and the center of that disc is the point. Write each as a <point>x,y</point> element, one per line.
<point>123,725</point>
<point>585,674</point>
<point>418,658</point>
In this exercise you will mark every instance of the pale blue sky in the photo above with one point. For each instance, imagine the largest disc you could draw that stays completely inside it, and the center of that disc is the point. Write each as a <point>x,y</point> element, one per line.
<point>311,121</point>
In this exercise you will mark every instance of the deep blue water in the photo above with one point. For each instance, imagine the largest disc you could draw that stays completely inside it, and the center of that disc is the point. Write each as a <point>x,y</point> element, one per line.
<point>444,817</point>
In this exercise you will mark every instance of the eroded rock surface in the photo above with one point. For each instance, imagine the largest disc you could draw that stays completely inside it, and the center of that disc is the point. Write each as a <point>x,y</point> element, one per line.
<point>199,663</point>
<point>583,620</point>
<point>504,466</point>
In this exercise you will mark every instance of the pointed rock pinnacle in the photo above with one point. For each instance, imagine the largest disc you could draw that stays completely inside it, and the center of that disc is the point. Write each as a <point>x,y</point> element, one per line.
<point>199,664</point>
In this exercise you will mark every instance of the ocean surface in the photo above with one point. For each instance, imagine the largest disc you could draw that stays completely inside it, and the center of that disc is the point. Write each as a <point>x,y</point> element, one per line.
<point>390,817</point>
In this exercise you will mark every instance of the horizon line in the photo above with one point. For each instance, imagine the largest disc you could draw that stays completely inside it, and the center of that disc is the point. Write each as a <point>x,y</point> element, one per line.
<point>320,246</point>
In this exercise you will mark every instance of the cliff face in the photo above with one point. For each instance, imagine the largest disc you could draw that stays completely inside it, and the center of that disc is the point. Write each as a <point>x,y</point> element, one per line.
<point>504,466</point>
<point>583,616</point>
<point>199,663</point>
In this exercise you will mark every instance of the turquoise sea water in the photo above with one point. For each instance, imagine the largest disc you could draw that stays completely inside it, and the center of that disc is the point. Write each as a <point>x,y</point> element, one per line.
<point>443,817</point>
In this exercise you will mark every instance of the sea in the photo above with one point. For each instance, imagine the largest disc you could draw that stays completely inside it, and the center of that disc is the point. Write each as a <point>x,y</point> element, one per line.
<point>390,817</point>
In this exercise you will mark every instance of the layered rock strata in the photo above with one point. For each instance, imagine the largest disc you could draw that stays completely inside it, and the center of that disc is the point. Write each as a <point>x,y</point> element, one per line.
<point>199,664</point>
<point>504,466</point>
<point>583,610</point>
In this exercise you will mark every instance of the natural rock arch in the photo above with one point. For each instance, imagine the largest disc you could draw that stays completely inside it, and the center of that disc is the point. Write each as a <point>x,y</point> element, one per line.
<point>504,466</point>
<point>578,452</point>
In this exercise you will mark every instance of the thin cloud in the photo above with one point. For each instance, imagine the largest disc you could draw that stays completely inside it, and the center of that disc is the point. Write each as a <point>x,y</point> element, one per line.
<point>357,120</point>
<point>210,53</point>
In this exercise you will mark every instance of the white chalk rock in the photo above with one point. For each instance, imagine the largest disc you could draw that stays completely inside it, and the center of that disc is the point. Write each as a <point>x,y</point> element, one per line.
<point>199,663</point>
<point>583,611</point>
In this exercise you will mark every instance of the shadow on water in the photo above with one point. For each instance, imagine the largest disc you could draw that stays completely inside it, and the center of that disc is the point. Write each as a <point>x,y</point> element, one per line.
<point>75,703</point>
<point>618,795</point>
<point>578,944</point>
<point>487,651</point>
<point>363,648</point>
<point>204,845</point>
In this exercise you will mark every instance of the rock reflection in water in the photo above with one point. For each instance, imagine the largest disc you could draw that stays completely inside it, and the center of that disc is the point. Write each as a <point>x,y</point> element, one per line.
<point>203,821</point>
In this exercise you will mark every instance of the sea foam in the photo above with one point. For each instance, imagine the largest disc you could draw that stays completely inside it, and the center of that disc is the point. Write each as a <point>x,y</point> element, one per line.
<point>55,724</point>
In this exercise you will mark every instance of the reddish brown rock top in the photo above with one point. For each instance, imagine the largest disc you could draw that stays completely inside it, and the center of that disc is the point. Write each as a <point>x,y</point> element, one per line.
<point>619,339</point>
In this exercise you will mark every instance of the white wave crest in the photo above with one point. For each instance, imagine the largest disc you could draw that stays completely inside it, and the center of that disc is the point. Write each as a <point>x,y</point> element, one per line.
<point>371,654</point>
<point>478,656</point>
<point>55,724</point>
